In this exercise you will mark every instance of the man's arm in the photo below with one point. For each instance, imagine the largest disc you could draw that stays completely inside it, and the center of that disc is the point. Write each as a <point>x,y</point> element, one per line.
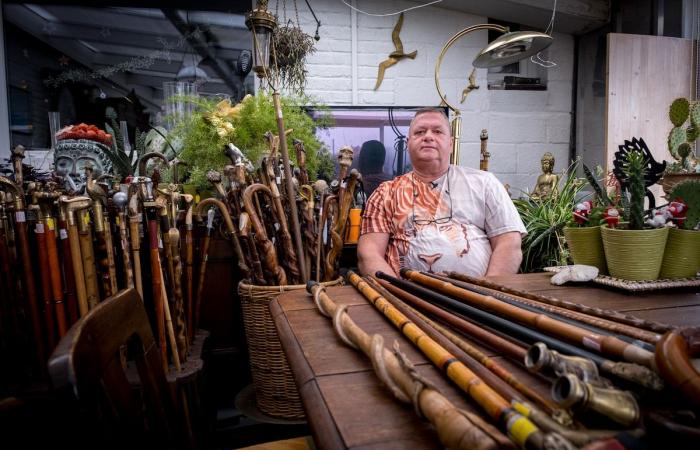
<point>371,249</point>
<point>506,254</point>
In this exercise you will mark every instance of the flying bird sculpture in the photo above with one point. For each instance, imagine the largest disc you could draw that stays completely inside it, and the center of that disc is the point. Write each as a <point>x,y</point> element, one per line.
<point>472,85</point>
<point>395,56</point>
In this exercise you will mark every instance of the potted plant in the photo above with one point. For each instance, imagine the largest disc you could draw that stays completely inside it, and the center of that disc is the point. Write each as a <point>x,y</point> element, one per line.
<point>681,142</point>
<point>682,254</point>
<point>582,233</point>
<point>215,123</point>
<point>545,219</point>
<point>633,249</point>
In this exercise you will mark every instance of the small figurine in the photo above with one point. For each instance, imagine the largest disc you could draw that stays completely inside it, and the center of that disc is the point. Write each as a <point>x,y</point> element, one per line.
<point>611,216</point>
<point>581,212</point>
<point>547,183</point>
<point>678,211</point>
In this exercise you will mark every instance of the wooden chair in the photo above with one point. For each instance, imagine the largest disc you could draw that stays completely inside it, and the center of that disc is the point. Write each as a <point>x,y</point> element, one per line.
<point>89,361</point>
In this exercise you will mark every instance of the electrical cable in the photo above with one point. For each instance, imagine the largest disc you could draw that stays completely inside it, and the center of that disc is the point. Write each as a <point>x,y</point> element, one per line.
<point>389,14</point>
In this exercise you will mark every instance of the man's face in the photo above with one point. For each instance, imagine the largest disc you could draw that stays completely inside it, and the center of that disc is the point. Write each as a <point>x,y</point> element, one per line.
<point>429,141</point>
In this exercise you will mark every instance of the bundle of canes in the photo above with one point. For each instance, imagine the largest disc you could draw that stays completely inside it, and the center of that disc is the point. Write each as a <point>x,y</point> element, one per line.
<point>609,345</point>
<point>597,322</point>
<point>634,373</point>
<point>346,197</point>
<point>28,285</point>
<point>519,428</point>
<point>609,314</point>
<point>538,413</point>
<point>456,429</point>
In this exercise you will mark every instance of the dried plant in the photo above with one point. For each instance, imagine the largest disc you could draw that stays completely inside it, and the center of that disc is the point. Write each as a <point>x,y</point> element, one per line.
<point>290,47</point>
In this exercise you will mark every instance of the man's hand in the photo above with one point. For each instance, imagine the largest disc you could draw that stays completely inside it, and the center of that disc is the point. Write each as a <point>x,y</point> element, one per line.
<point>371,249</point>
<point>506,254</point>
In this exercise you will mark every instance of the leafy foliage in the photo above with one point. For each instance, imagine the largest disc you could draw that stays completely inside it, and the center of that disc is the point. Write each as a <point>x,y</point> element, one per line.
<point>545,220</point>
<point>203,142</point>
<point>290,47</point>
<point>635,170</point>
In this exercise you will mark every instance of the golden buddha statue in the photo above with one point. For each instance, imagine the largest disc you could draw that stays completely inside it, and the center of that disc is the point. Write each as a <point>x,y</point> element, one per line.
<point>548,182</point>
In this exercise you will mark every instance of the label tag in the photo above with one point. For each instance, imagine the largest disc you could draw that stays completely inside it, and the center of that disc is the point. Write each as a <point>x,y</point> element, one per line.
<point>39,228</point>
<point>63,234</point>
<point>20,217</point>
<point>51,224</point>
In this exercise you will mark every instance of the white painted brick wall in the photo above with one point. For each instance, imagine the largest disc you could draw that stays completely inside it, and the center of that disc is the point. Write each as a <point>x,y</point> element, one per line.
<point>522,125</point>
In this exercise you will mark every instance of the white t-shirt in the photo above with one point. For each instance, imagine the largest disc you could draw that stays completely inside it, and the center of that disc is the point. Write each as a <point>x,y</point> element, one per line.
<point>442,225</point>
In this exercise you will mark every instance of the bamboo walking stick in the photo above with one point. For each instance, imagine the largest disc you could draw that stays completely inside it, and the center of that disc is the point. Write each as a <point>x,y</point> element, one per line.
<point>157,280</point>
<point>609,345</point>
<point>28,286</point>
<point>608,314</point>
<point>608,325</point>
<point>71,207</point>
<point>104,253</point>
<point>629,371</point>
<point>456,429</point>
<point>519,428</point>
<point>87,253</point>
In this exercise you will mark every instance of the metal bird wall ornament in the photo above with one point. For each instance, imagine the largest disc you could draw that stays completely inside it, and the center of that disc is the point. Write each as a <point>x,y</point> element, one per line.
<point>395,56</point>
<point>471,86</point>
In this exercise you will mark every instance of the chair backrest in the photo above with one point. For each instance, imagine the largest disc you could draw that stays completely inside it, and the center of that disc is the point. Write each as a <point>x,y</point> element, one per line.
<point>128,399</point>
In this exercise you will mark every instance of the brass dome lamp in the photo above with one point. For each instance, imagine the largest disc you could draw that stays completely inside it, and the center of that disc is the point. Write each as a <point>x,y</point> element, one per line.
<point>507,49</point>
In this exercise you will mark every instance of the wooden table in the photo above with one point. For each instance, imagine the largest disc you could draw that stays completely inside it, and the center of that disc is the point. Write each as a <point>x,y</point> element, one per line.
<point>346,405</point>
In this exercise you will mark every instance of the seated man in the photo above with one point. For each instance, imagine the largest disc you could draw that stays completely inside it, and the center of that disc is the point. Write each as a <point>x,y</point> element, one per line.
<point>439,216</point>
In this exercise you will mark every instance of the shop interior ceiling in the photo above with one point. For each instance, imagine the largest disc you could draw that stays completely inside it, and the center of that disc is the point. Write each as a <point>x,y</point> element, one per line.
<point>98,38</point>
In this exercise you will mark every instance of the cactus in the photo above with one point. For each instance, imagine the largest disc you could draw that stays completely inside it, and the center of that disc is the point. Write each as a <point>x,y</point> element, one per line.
<point>680,111</point>
<point>689,193</point>
<point>635,170</point>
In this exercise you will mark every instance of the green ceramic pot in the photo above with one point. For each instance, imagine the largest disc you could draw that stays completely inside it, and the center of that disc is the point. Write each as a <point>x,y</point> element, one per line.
<point>586,247</point>
<point>634,254</point>
<point>682,255</point>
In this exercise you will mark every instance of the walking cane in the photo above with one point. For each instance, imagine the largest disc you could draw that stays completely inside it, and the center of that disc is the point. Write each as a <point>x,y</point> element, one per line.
<point>27,272</point>
<point>17,155</point>
<point>143,161</point>
<point>87,253</point>
<point>203,265</point>
<point>189,257</point>
<point>105,252</point>
<point>135,218</point>
<point>70,295</point>
<point>44,276</point>
<point>120,200</point>
<point>484,161</point>
<point>269,260</point>
<point>71,206</point>
<point>244,231</point>
<point>346,196</point>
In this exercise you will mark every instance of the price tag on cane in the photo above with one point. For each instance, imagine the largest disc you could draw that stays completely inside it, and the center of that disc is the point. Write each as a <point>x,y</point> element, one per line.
<point>63,234</point>
<point>20,217</point>
<point>39,229</point>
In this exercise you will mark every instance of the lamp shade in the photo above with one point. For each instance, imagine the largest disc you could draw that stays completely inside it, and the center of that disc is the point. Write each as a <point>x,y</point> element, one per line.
<point>512,47</point>
<point>261,22</point>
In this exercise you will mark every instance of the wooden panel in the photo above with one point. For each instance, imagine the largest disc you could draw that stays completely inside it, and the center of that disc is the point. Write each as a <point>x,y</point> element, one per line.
<point>644,75</point>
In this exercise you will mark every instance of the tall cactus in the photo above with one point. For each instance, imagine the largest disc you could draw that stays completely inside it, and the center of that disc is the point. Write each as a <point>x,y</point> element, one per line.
<point>635,170</point>
<point>681,139</point>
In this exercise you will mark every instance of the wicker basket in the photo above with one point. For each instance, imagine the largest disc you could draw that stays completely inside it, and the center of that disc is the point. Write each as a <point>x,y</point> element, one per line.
<point>275,391</point>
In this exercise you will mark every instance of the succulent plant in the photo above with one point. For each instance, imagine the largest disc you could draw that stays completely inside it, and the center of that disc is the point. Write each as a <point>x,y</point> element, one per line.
<point>681,138</point>
<point>635,170</point>
<point>689,193</point>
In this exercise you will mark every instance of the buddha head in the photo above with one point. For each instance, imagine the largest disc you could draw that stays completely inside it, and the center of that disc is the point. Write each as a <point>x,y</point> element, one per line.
<point>72,156</point>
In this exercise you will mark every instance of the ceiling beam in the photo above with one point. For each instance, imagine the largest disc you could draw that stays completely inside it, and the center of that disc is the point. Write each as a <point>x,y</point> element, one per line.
<point>235,7</point>
<point>218,65</point>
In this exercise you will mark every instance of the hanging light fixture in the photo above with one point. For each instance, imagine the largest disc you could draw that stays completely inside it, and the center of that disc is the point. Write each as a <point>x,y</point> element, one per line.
<point>262,23</point>
<point>507,49</point>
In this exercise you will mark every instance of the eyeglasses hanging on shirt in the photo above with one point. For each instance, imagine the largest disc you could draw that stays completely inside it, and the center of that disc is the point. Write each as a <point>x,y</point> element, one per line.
<point>433,185</point>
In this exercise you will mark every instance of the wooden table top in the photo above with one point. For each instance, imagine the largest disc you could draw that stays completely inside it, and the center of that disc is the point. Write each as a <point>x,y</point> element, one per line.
<point>346,405</point>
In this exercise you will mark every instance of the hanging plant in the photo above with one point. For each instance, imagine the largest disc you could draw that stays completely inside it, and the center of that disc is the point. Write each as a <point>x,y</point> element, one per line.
<point>290,48</point>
